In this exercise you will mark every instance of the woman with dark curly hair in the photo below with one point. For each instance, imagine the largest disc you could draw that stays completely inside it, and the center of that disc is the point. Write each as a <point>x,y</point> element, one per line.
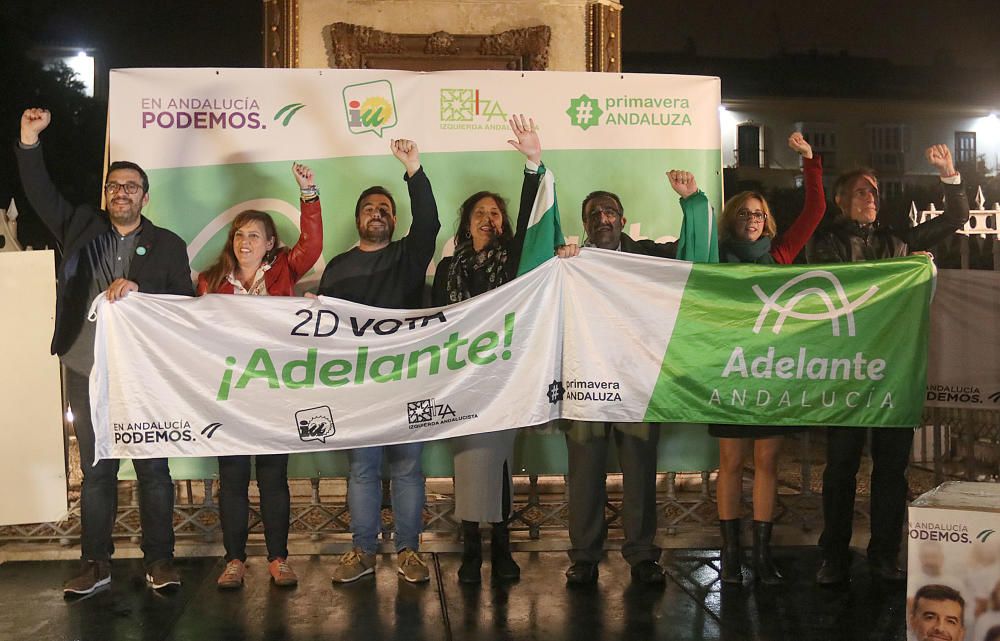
<point>487,253</point>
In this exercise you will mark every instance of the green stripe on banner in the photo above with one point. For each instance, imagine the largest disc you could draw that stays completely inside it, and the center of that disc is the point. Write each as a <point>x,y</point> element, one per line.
<point>800,344</point>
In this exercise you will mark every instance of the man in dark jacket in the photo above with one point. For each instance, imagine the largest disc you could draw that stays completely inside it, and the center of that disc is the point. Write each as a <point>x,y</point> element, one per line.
<point>857,236</point>
<point>116,251</point>
<point>587,442</point>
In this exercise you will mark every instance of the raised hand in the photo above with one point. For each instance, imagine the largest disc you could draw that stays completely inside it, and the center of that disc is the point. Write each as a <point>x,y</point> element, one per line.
<point>526,141</point>
<point>940,157</point>
<point>33,122</point>
<point>683,182</point>
<point>407,153</point>
<point>303,175</point>
<point>799,145</point>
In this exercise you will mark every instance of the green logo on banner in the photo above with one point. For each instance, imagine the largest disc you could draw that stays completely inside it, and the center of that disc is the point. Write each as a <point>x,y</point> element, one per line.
<point>471,109</point>
<point>799,345</point>
<point>831,311</point>
<point>370,106</point>
<point>584,112</point>
<point>288,111</point>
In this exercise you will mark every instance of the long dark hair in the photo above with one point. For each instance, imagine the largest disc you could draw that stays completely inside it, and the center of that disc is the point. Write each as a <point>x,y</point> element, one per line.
<point>463,233</point>
<point>226,262</point>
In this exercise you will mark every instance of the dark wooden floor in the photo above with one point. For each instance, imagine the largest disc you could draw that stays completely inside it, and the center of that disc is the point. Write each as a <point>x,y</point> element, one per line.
<point>693,605</point>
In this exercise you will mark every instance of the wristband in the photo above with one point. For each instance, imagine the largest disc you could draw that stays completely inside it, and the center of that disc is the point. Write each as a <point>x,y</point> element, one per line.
<point>309,193</point>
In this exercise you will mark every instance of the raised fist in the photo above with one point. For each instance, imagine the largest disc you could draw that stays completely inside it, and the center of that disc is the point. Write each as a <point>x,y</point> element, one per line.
<point>799,145</point>
<point>683,182</point>
<point>303,175</point>
<point>407,153</point>
<point>940,157</point>
<point>33,122</point>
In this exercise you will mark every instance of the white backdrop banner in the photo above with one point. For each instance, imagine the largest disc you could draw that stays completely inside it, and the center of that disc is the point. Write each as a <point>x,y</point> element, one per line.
<point>218,141</point>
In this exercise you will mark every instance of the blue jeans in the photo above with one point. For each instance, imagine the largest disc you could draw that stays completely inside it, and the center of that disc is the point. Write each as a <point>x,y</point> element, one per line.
<point>99,493</point>
<point>364,494</point>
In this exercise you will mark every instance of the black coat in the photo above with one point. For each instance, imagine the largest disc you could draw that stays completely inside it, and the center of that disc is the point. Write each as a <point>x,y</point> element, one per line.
<point>648,247</point>
<point>162,269</point>
<point>845,241</point>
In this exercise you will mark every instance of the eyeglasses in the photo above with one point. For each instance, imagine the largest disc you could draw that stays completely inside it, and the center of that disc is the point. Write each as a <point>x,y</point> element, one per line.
<point>745,215</point>
<point>600,212</point>
<point>130,188</point>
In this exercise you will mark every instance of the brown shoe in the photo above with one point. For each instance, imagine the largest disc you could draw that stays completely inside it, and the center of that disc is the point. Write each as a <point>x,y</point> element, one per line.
<point>92,575</point>
<point>411,567</point>
<point>162,574</point>
<point>281,573</point>
<point>353,565</point>
<point>232,575</point>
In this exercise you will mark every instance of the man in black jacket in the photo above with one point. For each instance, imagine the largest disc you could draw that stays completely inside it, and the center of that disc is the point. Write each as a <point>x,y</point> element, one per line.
<point>116,251</point>
<point>587,442</point>
<point>857,236</point>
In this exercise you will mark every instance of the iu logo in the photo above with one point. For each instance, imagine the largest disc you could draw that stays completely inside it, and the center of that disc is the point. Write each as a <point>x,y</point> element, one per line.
<point>370,106</point>
<point>828,289</point>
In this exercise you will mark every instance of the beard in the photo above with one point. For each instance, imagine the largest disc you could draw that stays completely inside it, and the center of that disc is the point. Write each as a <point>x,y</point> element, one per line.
<point>377,234</point>
<point>122,214</point>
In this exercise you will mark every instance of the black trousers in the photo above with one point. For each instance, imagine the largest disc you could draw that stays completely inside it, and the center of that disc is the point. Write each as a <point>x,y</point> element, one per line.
<point>890,452</point>
<point>99,493</point>
<point>234,505</point>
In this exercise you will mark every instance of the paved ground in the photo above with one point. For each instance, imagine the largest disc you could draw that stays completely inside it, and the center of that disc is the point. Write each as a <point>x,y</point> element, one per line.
<point>540,606</point>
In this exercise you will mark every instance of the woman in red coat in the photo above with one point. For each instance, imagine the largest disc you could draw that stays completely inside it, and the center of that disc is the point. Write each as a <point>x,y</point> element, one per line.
<point>254,263</point>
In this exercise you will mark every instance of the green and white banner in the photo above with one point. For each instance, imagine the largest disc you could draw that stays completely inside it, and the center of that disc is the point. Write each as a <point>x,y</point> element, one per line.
<point>218,141</point>
<point>601,337</point>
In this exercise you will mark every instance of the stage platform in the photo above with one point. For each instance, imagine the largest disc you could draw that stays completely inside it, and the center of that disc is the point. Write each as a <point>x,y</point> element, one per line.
<point>693,605</point>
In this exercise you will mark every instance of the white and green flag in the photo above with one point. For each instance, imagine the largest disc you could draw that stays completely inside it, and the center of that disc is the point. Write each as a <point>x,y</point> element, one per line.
<point>544,232</point>
<point>601,337</point>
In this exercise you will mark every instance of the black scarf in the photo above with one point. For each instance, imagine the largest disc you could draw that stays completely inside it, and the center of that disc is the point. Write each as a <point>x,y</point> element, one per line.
<point>746,251</point>
<point>490,264</point>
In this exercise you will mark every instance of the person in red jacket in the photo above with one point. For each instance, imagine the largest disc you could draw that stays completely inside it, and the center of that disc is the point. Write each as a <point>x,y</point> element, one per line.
<point>254,263</point>
<point>748,234</point>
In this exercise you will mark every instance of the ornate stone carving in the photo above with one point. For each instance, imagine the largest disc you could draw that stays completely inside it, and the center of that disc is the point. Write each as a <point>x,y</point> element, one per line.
<point>356,47</point>
<point>531,44</point>
<point>352,41</point>
<point>441,43</point>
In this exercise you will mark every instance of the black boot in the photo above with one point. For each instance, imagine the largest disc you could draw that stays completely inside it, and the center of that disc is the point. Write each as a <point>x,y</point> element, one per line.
<point>502,563</point>
<point>472,553</point>
<point>764,569</point>
<point>730,570</point>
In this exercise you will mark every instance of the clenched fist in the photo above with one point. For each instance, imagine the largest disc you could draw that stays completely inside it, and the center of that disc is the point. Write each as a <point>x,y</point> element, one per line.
<point>33,122</point>
<point>940,157</point>
<point>683,182</point>
<point>799,145</point>
<point>407,153</point>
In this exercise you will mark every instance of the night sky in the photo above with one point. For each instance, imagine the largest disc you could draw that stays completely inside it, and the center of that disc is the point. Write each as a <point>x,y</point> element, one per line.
<point>227,32</point>
<point>907,32</point>
<point>158,33</point>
